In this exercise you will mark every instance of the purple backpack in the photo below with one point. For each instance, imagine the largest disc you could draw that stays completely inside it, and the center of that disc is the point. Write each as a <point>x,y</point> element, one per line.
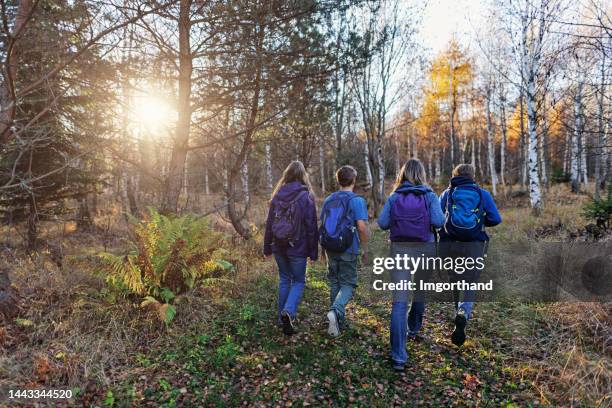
<point>287,222</point>
<point>410,218</point>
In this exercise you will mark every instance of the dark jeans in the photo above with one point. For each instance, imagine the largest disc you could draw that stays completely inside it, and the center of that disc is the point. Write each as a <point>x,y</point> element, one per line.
<point>464,300</point>
<point>342,277</point>
<point>292,278</point>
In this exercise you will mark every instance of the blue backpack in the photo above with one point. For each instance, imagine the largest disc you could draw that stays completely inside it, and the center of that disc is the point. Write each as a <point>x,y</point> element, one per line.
<point>337,228</point>
<point>287,222</point>
<point>465,213</point>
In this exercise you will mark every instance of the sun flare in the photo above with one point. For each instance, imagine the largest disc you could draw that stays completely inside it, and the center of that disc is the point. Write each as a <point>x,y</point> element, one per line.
<point>152,112</point>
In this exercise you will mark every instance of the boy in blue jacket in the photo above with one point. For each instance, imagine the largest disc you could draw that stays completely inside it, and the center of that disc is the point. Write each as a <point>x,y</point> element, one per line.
<point>468,210</point>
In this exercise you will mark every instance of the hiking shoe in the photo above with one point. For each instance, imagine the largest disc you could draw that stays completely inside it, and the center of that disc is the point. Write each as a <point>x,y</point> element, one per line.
<point>417,338</point>
<point>287,320</point>
<point>458,336</point>
<point>333,328</point>
<point>399,367</point>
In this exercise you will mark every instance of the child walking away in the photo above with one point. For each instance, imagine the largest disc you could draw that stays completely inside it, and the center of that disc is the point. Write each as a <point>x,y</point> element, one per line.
<point>291,235</point>
<point>411,213</point>
<point>343,231</point>
<point>468,210</point>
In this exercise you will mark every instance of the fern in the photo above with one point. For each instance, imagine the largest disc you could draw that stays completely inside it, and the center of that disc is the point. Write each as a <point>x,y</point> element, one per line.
<point>171,255</point>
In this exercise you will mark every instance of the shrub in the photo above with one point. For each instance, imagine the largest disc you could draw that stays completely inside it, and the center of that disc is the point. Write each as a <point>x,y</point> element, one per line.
<point>169,255</point>
<point>559,176</point>
<point>600,211</point>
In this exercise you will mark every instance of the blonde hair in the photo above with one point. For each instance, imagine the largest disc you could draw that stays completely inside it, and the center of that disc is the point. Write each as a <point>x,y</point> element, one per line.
<point>412,171</point>
<point>295,171</point>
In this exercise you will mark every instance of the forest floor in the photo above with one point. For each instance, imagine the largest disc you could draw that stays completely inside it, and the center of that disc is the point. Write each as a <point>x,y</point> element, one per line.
<point>223,348</point>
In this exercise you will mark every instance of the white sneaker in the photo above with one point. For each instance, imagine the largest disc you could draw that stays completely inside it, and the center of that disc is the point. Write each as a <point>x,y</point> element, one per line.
<point>333,329</point>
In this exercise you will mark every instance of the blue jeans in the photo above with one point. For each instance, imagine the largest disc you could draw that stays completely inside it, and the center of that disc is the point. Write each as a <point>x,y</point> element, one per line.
<point>292,274</point>
<point>400,325</point>
<point>473,249</point>
<point>342,277</point>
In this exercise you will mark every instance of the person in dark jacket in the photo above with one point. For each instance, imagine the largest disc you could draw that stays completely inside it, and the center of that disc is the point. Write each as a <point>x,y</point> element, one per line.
<point>291,235</point>
<point>455,246</point>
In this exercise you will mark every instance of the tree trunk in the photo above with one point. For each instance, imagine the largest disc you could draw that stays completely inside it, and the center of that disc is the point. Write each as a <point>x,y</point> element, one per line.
<point>535,195</point>
<point>32,235</point>
<point>473,153</point>
<point>381,176</point>
<point>366,156</point>
<point>522,158</point>
<point>566,152</point>
<point>606,162</point>
<point>176,170</point>
<point>452,109</point>
<point>438,166</point>
<point>123,191</point>
<point>396,145</point>
<point>84,219</point>
<point>576,139</point>
<point>600,127</point>
<point>502,155</point>
<point>583,156</point>
<point>235,218</point>
<point>322,166</point>
<point>131,194</point>
<point>478,155</point>
<point>491,146</point>
<point>542,149</point>
<point>268,159</point>
<point>8,102</point>
<point>245,183</point>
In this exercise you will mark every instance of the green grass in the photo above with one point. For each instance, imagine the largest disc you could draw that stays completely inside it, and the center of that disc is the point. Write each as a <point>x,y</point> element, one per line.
<point>240,356</point>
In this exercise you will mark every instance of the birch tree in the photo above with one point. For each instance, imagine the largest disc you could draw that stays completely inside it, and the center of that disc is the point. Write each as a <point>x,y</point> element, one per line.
<point>386,44</point>
<point>529,26</point>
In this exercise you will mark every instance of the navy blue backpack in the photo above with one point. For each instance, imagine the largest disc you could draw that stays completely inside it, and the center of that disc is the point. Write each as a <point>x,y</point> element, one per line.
<point>337,227</point>
<point>465,213</point>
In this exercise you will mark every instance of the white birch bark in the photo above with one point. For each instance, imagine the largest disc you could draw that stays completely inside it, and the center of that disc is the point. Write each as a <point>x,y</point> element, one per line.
<point>366,157</point>
<point>502,153</point>
<point>542,148</point>
<point>599,150</point>
<point>576,139</point>
<point>532,160</point>
<point>473,157</point>
<point>437,165</point>
<point>381,174</point>
<point>268,159</point>
<point>491,146</point>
